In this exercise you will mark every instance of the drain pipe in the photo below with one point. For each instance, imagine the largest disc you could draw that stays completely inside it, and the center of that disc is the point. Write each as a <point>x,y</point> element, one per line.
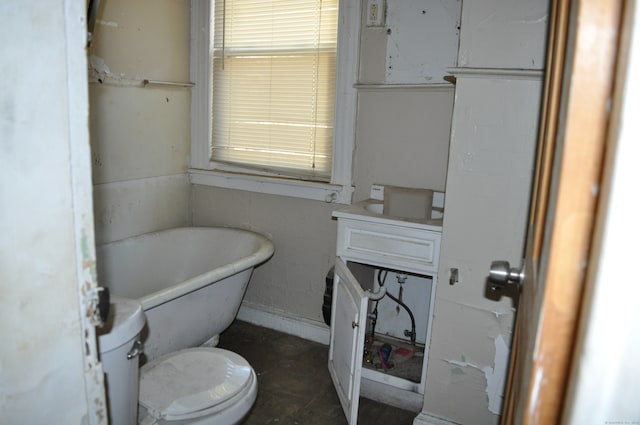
<point>376,296</point>
<point>408,333</point>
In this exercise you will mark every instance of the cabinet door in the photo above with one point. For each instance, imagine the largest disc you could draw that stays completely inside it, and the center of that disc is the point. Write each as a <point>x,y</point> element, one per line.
<point>348,324</point>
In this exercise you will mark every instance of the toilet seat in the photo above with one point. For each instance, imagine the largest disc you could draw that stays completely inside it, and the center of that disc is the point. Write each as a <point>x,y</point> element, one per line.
<point>195,382</point>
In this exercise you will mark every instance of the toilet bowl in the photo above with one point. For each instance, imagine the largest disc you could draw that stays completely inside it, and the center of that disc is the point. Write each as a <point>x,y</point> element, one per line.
<point>199,386</point>
<point>204,386</point>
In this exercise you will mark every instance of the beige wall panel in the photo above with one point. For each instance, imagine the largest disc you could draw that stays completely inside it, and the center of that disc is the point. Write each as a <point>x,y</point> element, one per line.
<point>139,206</point>
<point>140,135</point>
<point>145,39</point>
<point>138,132</point>
<point>304,235</point>
<point>402,138</point>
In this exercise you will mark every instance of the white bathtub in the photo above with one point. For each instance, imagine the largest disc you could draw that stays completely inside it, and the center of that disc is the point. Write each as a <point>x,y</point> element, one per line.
<point>190,280</point>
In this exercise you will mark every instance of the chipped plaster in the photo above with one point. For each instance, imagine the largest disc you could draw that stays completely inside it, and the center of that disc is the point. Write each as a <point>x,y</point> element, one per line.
<point>495,375</point>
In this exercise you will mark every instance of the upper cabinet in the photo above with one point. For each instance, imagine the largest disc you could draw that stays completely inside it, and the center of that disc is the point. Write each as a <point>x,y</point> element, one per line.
<point>503,34</point>
<point>409,41</point>
<point>422,40</point>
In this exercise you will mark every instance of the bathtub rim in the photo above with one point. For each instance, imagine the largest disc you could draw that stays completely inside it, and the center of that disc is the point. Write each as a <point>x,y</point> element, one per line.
<point>263,253</point>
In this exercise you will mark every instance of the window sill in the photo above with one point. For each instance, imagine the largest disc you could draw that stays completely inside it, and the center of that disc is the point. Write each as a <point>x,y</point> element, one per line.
<point>327,192</point>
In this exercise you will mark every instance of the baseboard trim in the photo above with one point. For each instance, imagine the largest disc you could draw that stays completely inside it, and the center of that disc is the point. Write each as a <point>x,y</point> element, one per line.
<point>427,419</point>
<point>388,394</point>
<point>284,322</point>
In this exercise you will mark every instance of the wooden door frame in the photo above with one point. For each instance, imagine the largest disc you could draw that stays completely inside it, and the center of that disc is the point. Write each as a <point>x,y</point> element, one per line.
<point>581,62</point>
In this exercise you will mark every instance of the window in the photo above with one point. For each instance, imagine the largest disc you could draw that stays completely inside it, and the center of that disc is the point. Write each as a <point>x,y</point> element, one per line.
<point>273,108</point>
<point>274,84</point>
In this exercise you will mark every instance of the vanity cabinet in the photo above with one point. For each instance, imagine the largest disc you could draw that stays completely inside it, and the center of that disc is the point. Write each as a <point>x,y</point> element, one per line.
<point>370,246</point>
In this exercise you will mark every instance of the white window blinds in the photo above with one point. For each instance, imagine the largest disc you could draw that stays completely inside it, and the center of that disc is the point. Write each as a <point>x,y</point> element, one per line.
<point>274,85</point>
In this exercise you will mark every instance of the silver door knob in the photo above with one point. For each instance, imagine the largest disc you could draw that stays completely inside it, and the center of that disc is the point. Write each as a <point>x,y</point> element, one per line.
<point>502,274</point>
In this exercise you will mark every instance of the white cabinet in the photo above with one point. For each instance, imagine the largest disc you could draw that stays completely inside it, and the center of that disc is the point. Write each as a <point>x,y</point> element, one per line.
<point>370,355</point>
<point>389,245</point>
<point>347,338</point>
<point>422,40</point>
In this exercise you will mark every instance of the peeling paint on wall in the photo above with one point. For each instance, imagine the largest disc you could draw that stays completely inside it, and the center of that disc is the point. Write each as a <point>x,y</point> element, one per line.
<point>495,376</point>
<point>99,72</point>
<point>98,65</point>
<point>463,363</point>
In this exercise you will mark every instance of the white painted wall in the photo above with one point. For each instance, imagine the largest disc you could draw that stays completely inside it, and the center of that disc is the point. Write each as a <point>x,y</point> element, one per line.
<point>49,372</point>
<point>507,34</point>
<point>493,139</point>
<point>486,206</point>
<point>139,135</point>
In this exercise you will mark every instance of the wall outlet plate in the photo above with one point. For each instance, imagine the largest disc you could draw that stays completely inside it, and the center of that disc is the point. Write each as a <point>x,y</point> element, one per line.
<point>375,13</point>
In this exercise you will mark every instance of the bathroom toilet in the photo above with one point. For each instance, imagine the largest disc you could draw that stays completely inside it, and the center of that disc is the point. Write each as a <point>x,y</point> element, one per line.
<point>119,348</point>
<point>202,385</point>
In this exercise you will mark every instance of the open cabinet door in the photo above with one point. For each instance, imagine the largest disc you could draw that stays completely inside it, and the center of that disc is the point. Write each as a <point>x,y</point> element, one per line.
<point>348,325</point>
<point>581,57</point>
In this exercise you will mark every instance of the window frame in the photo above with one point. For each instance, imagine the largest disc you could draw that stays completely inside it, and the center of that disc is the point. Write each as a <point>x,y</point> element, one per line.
<point>204,171</point>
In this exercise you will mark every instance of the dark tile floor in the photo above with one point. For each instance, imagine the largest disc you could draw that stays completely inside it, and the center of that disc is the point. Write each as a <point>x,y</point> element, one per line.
<point>294,386</point>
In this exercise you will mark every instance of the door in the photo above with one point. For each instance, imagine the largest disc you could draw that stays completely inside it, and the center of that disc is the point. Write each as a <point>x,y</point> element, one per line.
<point>348,325</point>
<point>581,57</point>
<point>49,370</point>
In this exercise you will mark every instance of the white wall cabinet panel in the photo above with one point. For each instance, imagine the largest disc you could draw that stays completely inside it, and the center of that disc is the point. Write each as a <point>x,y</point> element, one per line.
<point>495,123</point>
<point>505,34</point>
<point>422,40</point>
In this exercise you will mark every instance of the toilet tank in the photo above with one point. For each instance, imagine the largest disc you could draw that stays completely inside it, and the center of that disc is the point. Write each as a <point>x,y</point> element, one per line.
<point>119,346</point>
